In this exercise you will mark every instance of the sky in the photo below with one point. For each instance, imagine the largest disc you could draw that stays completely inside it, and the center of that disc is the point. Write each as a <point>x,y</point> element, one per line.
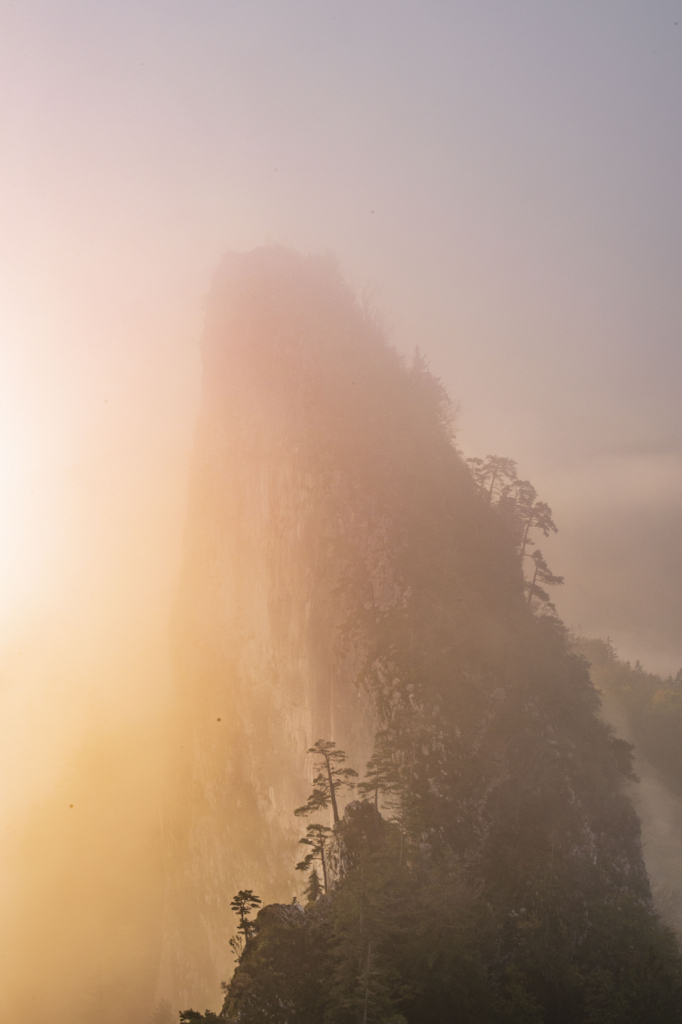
<point>499,181</point>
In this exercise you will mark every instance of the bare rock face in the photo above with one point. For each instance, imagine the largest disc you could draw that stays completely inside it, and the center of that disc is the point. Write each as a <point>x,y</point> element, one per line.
<point>276,523</point>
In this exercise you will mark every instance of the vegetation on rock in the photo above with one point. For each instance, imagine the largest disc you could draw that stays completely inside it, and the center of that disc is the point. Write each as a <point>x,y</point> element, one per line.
<point>493,872</point>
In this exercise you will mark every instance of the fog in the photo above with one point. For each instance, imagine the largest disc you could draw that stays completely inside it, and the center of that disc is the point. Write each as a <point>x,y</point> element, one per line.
<point>501,184</point>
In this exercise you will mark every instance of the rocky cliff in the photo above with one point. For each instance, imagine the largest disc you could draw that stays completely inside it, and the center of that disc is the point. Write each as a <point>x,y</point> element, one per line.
<point>344,571</point>
<point>279,516</point>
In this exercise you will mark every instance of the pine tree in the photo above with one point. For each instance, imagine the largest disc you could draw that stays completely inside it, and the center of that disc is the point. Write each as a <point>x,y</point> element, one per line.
<point>331,777</point>
<point>531,514</point>
<point>318,837</point>
<point>494,475</point>
<point>313,890</point>
<point>541,574</point>
<point>381,771</point>
<point>243,903</point>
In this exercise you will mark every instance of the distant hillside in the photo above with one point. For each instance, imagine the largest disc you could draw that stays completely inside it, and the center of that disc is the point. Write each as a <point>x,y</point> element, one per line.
<point>646,709</point>
<point>650,705</point>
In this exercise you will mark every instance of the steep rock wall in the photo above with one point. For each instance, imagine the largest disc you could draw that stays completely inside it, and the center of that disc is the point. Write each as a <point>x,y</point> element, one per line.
<point>343,570</point>
<point>276,519</point>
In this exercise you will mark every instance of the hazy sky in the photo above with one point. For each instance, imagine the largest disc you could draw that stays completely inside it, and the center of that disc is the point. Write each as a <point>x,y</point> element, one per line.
<point>501,179</point>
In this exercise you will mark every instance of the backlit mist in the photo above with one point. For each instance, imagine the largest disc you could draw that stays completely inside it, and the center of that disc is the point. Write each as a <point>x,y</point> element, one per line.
<point>499,185</point>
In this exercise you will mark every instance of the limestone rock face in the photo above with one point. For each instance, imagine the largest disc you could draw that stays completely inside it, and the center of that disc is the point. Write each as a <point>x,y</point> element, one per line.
<point>276,522</point>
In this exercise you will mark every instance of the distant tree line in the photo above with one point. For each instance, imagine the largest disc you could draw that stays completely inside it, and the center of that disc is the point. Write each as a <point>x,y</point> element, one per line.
<point>652,706</point>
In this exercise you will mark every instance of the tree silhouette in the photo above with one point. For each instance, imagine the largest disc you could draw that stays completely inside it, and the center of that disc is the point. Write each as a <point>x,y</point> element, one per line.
<point>329,779</point>
<point>313,890</point>
<point>493,475</point>
<point>496,477</point>
<point>532,514</point>
<point>318,837</point>
<point>541,574</point>
<point>243,903</point>
<point>381,772</point>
